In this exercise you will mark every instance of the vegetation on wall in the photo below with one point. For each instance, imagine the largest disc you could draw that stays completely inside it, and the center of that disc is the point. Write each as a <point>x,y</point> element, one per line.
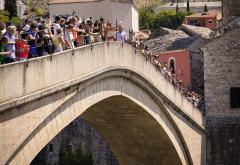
<point>39,11</point>
<point>4,17</point>
<point>76,158</point>
<point>148,19</point>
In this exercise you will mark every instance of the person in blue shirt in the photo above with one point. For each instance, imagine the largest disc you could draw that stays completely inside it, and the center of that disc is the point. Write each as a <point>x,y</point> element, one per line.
<point>32,33</point>
<point>121,36</point>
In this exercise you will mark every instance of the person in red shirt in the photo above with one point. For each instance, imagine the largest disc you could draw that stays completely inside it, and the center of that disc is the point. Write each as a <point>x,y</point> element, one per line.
<point>22,48</point>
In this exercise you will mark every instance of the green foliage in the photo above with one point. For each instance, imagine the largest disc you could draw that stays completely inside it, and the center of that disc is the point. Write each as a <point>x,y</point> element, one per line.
<point>76,158</point>
<point>39,11</point>
<point>4,16</point>
<point>169,19</point>
<point>11,7</point>
<point>147,17</point>
<point>16,21</point>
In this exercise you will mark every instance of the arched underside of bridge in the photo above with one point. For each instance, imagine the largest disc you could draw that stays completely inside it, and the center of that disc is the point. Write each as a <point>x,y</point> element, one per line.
<point>136,124</point>
<point>34,109</point>
<point>133,135</point>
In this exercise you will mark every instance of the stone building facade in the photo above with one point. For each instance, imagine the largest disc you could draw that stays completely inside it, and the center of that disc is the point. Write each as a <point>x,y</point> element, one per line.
<point>230,8</point>
<point>222,72</point>
<point>112,10</point>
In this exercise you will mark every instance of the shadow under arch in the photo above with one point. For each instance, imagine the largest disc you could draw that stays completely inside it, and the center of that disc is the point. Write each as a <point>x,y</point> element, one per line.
<point>132,134</point>
<point>88,97</point>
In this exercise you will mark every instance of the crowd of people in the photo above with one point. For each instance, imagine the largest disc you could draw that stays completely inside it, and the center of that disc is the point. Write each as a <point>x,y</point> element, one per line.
<point>38,38</point>
<point>167,72</point>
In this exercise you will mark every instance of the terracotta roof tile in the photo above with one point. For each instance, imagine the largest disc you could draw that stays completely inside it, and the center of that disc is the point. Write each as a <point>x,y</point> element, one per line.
<point>170,40</point>
<point>210,14</point>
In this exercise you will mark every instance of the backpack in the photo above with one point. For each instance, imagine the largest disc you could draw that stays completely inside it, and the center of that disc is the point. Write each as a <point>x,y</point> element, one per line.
<point>22,49</point>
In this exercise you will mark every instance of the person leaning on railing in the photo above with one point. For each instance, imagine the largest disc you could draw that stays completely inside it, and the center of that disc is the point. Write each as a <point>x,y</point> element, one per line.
<point>58,41</point>
<point>3,53</point>
<point>10,45</point>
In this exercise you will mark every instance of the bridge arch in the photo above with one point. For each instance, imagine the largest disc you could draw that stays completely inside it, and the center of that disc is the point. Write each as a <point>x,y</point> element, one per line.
<point>94,94</point>
<point>110,64</point>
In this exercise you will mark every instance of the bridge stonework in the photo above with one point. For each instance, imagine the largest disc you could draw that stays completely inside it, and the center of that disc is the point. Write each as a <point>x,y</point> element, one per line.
<point>147,115</point>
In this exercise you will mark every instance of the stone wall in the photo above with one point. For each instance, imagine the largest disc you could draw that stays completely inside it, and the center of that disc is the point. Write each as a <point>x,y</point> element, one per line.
<point>230,8</point>
<point>223,141</point>
<point>78,134</point>
<point>197,80</point>
<point>221,72</point>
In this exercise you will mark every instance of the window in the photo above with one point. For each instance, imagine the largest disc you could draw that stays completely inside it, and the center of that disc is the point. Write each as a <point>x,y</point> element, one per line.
<point>172,65</point>
<point>195,22</point>
<point>235,97</point>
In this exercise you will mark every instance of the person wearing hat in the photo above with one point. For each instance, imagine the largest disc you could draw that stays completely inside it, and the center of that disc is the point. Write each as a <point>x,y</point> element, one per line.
<point>26,26</point>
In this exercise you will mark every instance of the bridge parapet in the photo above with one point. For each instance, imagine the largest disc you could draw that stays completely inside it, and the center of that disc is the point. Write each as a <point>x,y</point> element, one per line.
<point>25,81</point>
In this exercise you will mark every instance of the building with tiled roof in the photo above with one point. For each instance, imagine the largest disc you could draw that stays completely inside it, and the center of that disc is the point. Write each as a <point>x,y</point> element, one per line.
<point>113,10</point>
<point>181,51</point>
<point>205,19</point>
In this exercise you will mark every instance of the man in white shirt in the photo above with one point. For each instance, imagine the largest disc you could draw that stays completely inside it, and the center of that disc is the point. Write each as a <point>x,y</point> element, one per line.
<point>57,24</point>
<point>121,36</point>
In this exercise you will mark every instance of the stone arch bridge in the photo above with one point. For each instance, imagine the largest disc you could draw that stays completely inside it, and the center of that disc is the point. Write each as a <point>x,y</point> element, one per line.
<point>142,117</point>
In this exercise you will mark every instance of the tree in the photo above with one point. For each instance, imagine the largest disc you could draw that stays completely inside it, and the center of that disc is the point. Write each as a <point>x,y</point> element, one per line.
<point>16,21</point>
<point>205,8</point>
<point>177,8</point>
<point>4,16</point>
<point>39,11</point>
<point>188,6</point>
<point>168,19</point>
<point>11,7</point>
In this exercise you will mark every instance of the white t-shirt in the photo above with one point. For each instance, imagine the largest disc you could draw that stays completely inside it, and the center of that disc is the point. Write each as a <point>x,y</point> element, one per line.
<point>56,27</point>
<point>69,37</point>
